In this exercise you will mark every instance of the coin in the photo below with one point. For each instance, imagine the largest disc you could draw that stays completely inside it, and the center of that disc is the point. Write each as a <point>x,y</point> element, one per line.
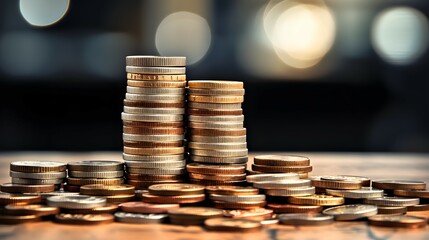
<point>154,151</point>
<point>271,177</point>
<point>255,214</point>
<point>298,219</point>
<point>176,189</point>
<point>156,84</point>
<point>153,138</point>
<point>154,77</point>
<point>281,160</point>
<point>106,190</point>
<point>232,190</point>
<point>217,146</point>
<point>419,207</point>
<point>10,219</point>
<point>160,164</point>
<point>399,185</point>
<point>155,98</point>
<point>217,132</point>
<point>239,205</point>
<point>151,118</point>
<point>140,218</point>
<point>157,171</point>
<point>141,207</point>
<point>31,209</point>
<point>76,202</point>
<point>107,174</point>
<point>155,91</point>
<point>412,193</point>
<point>156,70</point>
<point>212,112</point>
<point>393,201</point>
<point>391,210</point>
<point>149,104</point>
<point>219,160</point>
<point>291,208</point>
<point>148,144</point>
<point>44,175</point>
<point>179,199</point>
<point>151,111</point>
<point>211,84</point>
<point>211,92</point>
<point>216,183</point>
<point>37,166</point>
<point>214,105</point>
<point>216,125</point>
<point>237,198</point>
<point>108,208</point>
<point>154,131</point>
<point>7,198</point>
<point>397,221</point>
<point>317,199</point>
<point>155,61</point>
<point>281,169</point>
<point>351,212</point>
<point>30,181</point>
<point>87,181</point>
<point>119,198</point>
<point>193,215</point>
<point>144,184</point>
<point>318,181</point>
<point>215,169</point>
<point>365,192</point>
<point>232,225</point>
<point>194,118</point>
<point>143,177</point>
<point>83,219</point>
<point>218,177</point>
<point>283,184</point>
<point>299,191</point>
<point>19,188</point>
<point>95,166</point>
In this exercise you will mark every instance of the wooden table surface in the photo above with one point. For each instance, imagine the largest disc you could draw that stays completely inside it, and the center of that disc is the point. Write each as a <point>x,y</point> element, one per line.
<point>376,166</point>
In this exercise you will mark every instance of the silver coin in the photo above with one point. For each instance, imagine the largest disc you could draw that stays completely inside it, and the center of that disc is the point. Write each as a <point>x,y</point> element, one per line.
<point>218,146</point>
<point>30,181</point>
<point>139,110</point>
<point>237,198</point>
<point>95,165</point>
<point>365,192</point>
<point>151,118</point>
<point>157,98</point>
<point>346,178</point>
<point>194,118</point>
<point>393,201</point>
<point>156,91</point>
<point>216,125</point>
<point>156,70</point>
<point>218,139</point>
<point>219,160</point>
<point>140,218</point>
<point>351,212</point>
<point>152,138</point>
<point>271,177</point>
<point>219,153</point>
<point>299,219</point>
<point>104,174</point>
<point>41,175</point>
<point>291,192</point>
<point>157,171</point>
<point>214,106</point>
<point>38,164</point>
<point>76,202</point>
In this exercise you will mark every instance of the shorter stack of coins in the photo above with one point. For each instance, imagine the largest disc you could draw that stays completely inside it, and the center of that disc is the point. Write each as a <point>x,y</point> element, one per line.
<point>282,164</point>
<point>225,197</point>
<point>153,130</point>
<point>170,193</point>
<point>339,182</point>
<point>216,130</point>
<point>32,173</point>
<point>210,175</point>
<point>113,194</point>
<point>94,172</point>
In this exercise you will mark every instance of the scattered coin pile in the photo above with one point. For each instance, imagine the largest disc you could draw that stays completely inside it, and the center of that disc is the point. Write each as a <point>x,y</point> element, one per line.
<point>34,173</point>
<point>94,172</point>
<point>216,133</point>
<point>153,126</point>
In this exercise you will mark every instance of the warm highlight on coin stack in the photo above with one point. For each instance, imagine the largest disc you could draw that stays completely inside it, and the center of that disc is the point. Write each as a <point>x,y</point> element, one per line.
<point>153,126</point>
<point>217,139</point>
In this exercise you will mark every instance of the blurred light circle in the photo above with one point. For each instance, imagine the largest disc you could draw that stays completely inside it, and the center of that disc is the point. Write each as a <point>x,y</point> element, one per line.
<point>43,12</point>
<point>301,34</point>
<point>183,34</point>
<point>400,35</point>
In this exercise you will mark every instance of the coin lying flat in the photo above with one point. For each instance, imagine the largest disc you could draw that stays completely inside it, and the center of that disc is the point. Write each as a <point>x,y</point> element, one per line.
<point>232,225</point>
<point>400,221</point>
<point>155,61</point>
<point>193,215</point>
<point>212,84</point>
<point>44,175</point>
<point>365,192</point>
<point>156,77</point>
<point>106,190</point>
<point>292,208</point>
<point>179,199</point>
<point>214,105</point>
<point>418,208</point>
<point>6,198</point>
<point>155,91</point>
<point>36,181</point>
<point>271,177</point>
<point>84,219</point>
<point>37,166</point>
<point>336,182</point>
<point>351,212</point>
<point>108,208</point>
<point>158,164</point>
<point>76,202</point>
<point>298,219</point>
<point>283,184</point>
<point>95,166</point>
<point>384,210</point>
<point>317,199</point>
<point>10,219</point>
<point>176,189</point>
<point>20,188</point>
<point>239,205</point>
<point>281,160</point>
<point>237,198</point>
<point>257,213</point>
<point>156,70</point>
<point>106,174</point>
<point>140,218</point>
<point>232,190</point>
<point>87,181</point>
<point>141,207</point>
<point>31,209</point>
<point>412,193</point>
<point>215,169</point>
<point>393,201</point>
<point>300,191</point>
<point>219,160</point>
<point>281,169</point>
<point>399,185</point>
<point>214,92</point>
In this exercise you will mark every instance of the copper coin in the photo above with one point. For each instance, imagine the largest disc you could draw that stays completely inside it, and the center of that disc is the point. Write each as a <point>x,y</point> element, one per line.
<point>120,198</point>
<point>281,169</point>
<point>217,132</point>
<point>235,177</point>
<point>152,124</point>
<point>156,84</point>
<point>10,219</point>
<point>399,185</point>
<point>215,99</point>
<point>142,185</point>
<point>418,208</point>
<point>143,177</point>
<point>84,219</point>
<point>231,190</point>
<point>255,214</point>
<point>210,112</point>
<point>154,151</point>
<point>397,221</point>
<point>232,225</point>
<point>6,198</point>
<point>215,169</point>
<point>31,209</point>
<point>239,205</point>
<point>87,181</point>
<point>174,189</point>
<point>153,131</point>
<point>20,188</point>
<point>106,190</point>
<point>153,144</point>
<point>291,208</point>
<point>281,160</point>
<point>412,193</point>
<point>154,77</point>
<point>217,183</point>
<point>71,188</point>
<point>108,208</point>
<point>391,210</point>
<point>141,207</point>
<point>209,84</point>
<point>180,199</point>
<point>37,166</point>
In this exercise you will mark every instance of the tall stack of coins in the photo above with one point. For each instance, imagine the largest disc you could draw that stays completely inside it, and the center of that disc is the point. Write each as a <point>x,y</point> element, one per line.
<point>35,177</point>
<point>153,127</point>
<point>94,172</point>
<point>282,164</point>
<point>216,133</point>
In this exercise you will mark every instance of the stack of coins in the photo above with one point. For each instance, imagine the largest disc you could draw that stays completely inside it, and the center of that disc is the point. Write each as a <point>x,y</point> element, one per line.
<point>113,194</point>
<point>94,172</point>
<point>35,177</point>
<point>228,197</point>
<point>170,193</point>
<point>216,133</point>
<point>193,215</point>
<point>282,164</point>
<point>153,126</point>
<point>210,175</point>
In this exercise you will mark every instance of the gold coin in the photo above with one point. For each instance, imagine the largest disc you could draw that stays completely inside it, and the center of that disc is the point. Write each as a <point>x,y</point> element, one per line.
<point>106,190</point>
<point>281,169</point>
<point>217,177</point>
<point>206,112</point>
<point>6,198</point>
<point>215,106</point>
<point>231,190</point>
<point>156,84</point>
<point>154,77</point>
<point>281,160</point>
<point>84,219</point>
<point>87,181</point>
<point>154,151</point>
<point>399,185</point>
<point>319,200</point>
<point>291,208</point>
<point>211,92</point>
<point>219,153</point>
<point>216,99</point>
<point>155,61</point>
<point>216,132</point>
<point>215,169</point>
<point>156,70</point>
<point>410,193</point>
<point>317,181</point>
<point>211,84</point>
<point>176,189</point>
<point>31,209</point>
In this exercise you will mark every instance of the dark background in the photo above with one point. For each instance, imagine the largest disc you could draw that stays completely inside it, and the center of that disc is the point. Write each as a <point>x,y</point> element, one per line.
<point>362,103</point>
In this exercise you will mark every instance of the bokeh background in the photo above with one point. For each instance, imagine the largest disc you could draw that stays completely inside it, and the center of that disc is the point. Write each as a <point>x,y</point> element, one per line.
<point>333,75</point>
